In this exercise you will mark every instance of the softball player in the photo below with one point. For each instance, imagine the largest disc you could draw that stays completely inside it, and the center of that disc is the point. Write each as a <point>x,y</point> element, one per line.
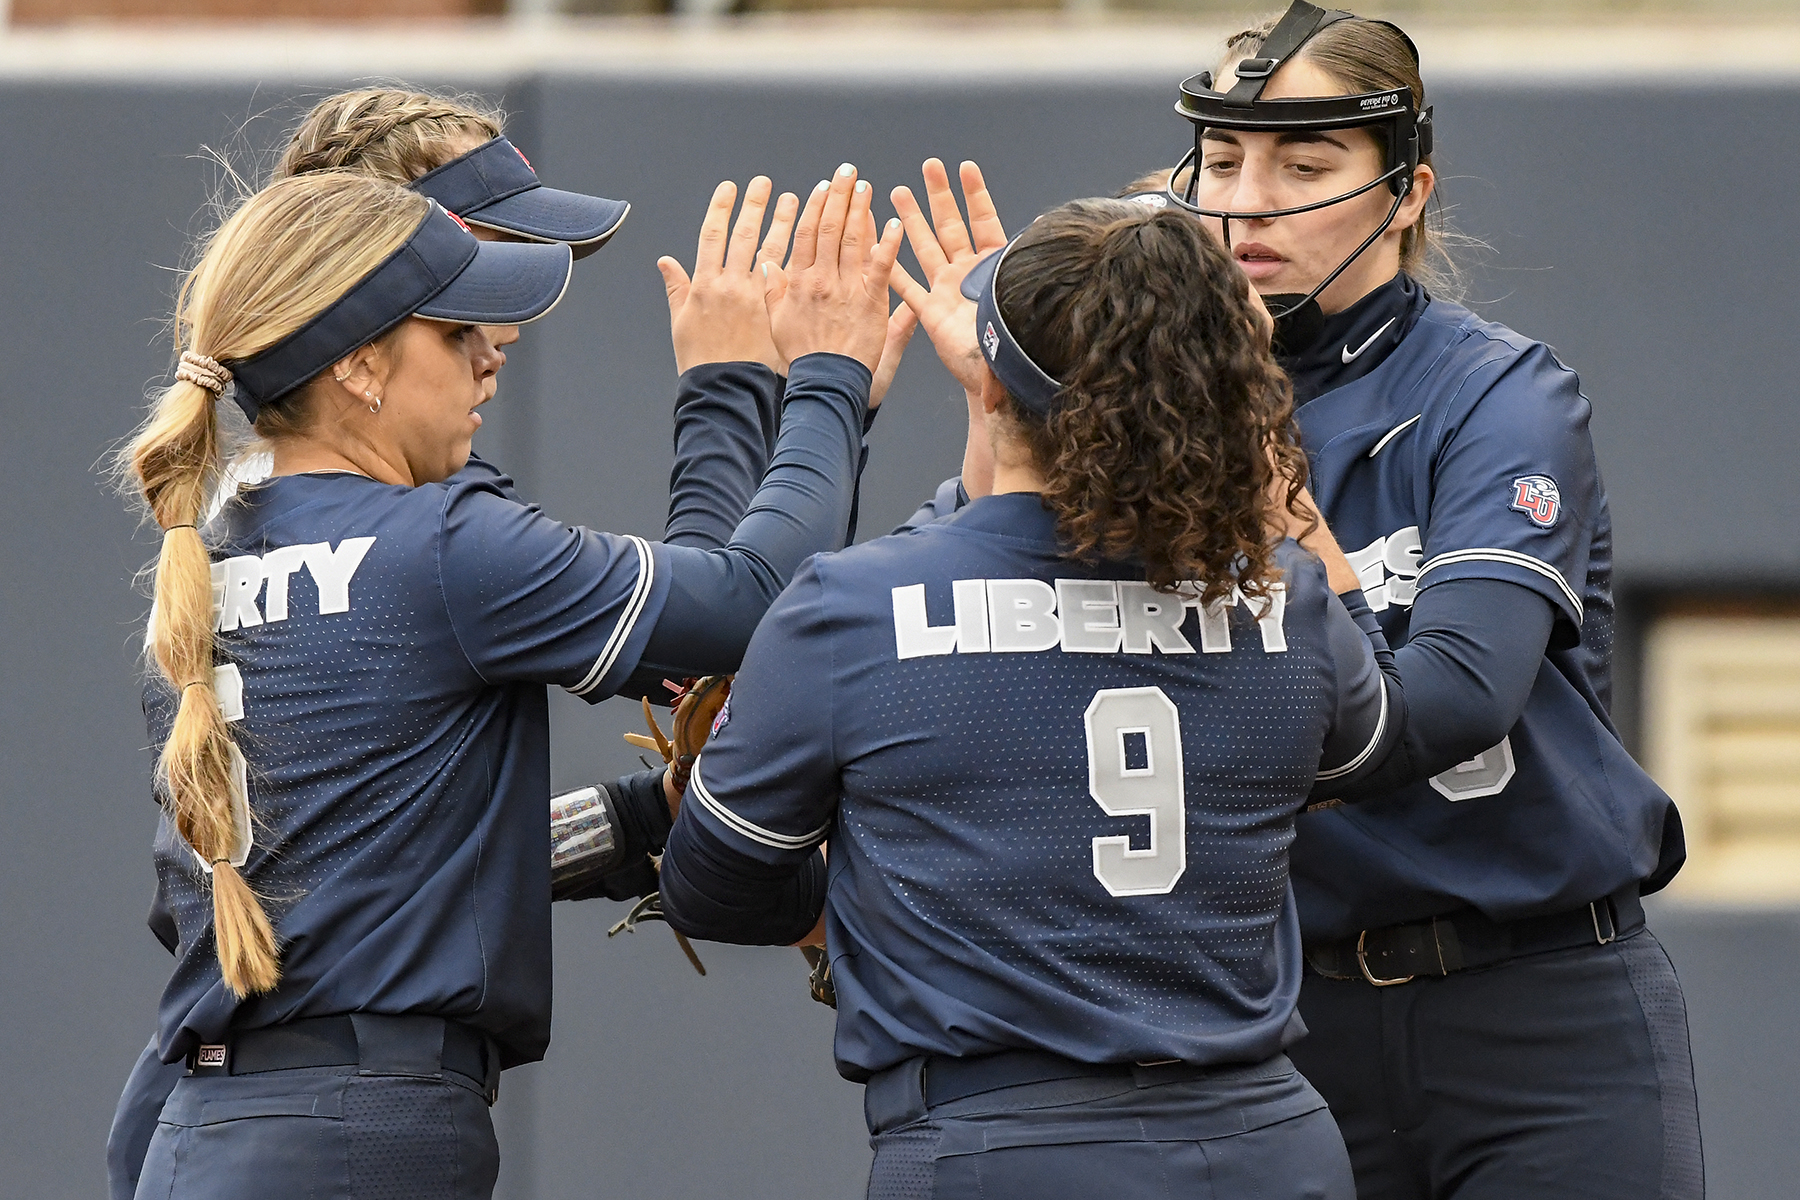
<point>1489,1017</point>
<point>727,409</point>
<point>349,704</point>
<point>1057,743</point>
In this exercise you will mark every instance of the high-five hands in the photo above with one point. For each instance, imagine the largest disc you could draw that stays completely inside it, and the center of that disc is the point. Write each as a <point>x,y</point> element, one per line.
<point>718,314</point>
<point>946,250</point>
<point>832,295</point>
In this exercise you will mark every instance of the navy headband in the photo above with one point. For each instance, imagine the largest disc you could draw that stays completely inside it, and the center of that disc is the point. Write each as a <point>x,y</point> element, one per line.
<point>1023,379</point>
<point>441,273</point>
<point>425,265</point>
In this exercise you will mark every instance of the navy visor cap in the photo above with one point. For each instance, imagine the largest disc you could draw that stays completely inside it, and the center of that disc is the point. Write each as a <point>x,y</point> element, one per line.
<point>495,187</point>
<point>442,272</point>
<point>1022,378</point>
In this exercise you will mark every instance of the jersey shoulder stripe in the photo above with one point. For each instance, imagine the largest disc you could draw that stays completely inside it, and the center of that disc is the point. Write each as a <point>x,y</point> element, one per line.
<point>1512,558</point>
<point>1374,740</point>
<point>750,829</point>
<point>634,608</point>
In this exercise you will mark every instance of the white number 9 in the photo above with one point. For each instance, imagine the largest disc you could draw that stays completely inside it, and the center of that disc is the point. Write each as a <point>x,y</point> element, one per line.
<point>1135,769</point>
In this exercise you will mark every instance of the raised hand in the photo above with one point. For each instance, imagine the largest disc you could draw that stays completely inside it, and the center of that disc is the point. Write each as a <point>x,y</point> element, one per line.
<point>900,328</point>
<point>832,295</point>
<point>718,315</point>
<point>946,249</point>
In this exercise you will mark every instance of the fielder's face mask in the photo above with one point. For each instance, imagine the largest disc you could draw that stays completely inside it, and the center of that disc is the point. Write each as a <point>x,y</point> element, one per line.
<point>1393,113</point>
<point>1023,379</point>
<point>442,273</point>
<point>495,187</point>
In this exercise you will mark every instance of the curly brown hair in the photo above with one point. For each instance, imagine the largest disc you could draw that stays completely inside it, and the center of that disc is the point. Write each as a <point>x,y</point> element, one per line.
<point>1173,421</point>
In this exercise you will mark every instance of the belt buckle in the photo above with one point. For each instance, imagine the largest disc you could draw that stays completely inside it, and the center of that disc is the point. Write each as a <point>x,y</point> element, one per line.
<point>1362,961</point>
<point>1612,926</point>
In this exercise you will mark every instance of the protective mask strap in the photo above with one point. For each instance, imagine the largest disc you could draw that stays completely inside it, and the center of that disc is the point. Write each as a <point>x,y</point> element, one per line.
<point>1296,27</point>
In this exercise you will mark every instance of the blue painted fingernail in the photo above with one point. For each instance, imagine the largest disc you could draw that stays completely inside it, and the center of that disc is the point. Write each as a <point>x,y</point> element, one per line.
<point>846,169</point>
<point>861,186</point>
<point>823,184</point>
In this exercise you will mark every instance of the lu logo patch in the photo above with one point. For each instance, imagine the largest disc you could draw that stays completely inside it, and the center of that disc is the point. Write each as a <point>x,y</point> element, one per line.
<point>1538,498</point>
<point>990,341</point>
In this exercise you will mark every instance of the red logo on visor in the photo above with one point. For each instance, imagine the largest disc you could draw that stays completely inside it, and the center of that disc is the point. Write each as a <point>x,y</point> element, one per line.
<point>460,221</point>
<point>523,159</point>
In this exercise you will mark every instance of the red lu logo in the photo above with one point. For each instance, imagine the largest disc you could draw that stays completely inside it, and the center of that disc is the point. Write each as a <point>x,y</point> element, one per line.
<point>523,159</point>
<point>990,341</point>
<point>1538,498</point>
<point>459,221</point>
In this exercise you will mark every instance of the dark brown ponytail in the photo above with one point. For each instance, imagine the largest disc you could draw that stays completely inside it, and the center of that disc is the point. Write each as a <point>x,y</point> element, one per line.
<point>1174,417</point>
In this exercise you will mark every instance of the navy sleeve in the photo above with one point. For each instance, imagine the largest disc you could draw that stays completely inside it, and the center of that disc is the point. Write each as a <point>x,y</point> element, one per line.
<point>726,419</point>
<point>1370,711</point>
<point>1514,487</point>
<point>534,601</point>
<point>948,498</point>
<point>1472,655</point>
<point>862,464</point>
<point>738,865</point>
<point>715,598</point>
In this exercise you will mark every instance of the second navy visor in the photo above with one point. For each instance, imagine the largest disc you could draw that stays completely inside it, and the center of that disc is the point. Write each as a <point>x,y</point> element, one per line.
<point>495,187</point>
<point>442,272</point>
<point>1022,378</point>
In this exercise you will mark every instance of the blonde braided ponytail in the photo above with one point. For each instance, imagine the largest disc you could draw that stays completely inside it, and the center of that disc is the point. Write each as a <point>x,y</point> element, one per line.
<point>282,258</point>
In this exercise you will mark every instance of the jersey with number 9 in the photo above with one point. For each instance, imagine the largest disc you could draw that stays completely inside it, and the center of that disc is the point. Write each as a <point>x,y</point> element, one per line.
<point>1059,802</point>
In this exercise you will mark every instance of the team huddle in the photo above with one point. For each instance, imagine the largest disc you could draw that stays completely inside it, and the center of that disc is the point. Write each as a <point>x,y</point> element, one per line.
<point>1208,791</point>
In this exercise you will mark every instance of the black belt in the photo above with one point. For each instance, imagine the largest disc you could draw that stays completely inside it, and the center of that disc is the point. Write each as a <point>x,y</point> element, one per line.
<point>1466,939</point>
<point>380,1045</point>
<point>950,1079</point>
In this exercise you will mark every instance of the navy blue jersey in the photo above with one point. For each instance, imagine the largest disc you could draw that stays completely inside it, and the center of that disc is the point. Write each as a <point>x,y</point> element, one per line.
<point>1464,454</point>
<point>386,688</point>
<point>1058,802</point>
<point>383,657</point>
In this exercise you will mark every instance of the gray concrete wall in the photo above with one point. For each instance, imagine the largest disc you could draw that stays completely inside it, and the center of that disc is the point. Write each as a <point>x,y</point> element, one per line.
<point>1644,232</point>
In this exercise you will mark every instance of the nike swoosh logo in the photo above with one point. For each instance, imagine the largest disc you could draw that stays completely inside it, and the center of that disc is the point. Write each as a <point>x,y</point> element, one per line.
<point>1351,356</point>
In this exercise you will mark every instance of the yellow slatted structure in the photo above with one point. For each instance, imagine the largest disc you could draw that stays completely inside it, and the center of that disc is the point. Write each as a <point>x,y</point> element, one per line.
<point>1722,734</point>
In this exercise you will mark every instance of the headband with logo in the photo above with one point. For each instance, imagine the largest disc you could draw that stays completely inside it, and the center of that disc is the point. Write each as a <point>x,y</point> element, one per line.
<point>1022,378</point>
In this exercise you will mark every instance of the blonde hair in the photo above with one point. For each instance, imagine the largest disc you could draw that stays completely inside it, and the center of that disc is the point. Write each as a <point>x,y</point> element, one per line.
<point>282,258</point>
<point>389,133</point>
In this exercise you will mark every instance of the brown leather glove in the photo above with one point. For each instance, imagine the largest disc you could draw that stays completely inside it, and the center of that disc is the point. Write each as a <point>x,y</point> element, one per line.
<point>697,706</point>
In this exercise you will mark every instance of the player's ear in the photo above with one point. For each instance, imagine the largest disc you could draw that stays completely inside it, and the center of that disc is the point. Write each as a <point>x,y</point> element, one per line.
<point>993,395</point>
<point>358,373</point>
<point>1424,183</point>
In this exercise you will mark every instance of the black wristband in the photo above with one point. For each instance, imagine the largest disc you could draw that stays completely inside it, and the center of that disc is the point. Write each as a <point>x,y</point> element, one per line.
<point>643,811</point>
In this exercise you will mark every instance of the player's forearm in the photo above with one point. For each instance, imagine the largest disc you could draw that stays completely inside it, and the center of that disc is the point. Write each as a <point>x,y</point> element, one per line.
<point>1371,714</point>
<point>726,417</point>
<point>712,892</point>
<point>1474,650</point>
<point>717,597</point>
<point>601,838</point>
